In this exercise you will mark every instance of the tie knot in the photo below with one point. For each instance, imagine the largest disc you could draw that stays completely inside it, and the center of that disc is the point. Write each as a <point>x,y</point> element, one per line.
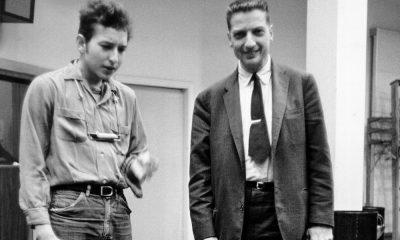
<point>255,80</point>
<point>254,77</point>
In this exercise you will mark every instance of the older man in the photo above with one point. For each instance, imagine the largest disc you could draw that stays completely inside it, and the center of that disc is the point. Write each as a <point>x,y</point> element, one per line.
<point>259,166</point>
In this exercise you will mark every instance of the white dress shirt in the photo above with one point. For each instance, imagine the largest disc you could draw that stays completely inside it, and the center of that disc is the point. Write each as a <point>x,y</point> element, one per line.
<point>254,171</point>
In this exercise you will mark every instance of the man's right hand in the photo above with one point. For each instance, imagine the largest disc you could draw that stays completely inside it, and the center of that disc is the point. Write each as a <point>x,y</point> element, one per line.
<point>45,232</point>
<point>140,170</point>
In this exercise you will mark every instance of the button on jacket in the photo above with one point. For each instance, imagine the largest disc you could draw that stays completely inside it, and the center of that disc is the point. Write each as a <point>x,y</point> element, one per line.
<point>58,113</point>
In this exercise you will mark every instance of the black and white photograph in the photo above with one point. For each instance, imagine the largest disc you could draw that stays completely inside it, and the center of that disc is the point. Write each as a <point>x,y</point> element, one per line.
<point>199,119</point>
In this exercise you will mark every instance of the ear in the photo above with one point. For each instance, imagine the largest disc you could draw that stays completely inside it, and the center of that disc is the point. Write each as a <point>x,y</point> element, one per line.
<point>271,32</point>
<point>229,38</point>
<point>81,43</point>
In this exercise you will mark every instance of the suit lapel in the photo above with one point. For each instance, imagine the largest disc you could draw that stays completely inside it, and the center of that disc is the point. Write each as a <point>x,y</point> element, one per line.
<point>232,105</point>
<point>280,86</point>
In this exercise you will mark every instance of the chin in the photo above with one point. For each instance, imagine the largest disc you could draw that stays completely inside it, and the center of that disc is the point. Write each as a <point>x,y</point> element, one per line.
<point>105,76</point>
<point>251,66</point>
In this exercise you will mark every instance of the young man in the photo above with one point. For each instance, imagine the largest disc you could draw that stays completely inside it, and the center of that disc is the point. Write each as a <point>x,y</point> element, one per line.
<point>259,167</point>
<point>82,138</point>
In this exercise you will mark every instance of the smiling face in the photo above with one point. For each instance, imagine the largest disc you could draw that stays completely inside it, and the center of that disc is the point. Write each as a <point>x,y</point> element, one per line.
<point>250,36</point>
<point>102,55</point>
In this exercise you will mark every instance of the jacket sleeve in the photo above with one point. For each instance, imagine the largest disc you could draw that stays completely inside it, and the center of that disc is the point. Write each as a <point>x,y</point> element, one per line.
<point>37,112</point>
<point>319,167</point>
<point>200,190</point>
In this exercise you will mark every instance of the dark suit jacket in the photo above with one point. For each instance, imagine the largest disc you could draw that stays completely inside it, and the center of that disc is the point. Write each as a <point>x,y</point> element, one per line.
<point>300,155</point>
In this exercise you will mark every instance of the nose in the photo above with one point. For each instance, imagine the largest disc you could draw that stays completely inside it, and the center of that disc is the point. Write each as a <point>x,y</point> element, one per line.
<point>250,42</point>
<point>114,56</point>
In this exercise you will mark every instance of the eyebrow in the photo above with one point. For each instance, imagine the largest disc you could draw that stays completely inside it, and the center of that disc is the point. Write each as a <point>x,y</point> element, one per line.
<point>112,43</point>
<point>107,41</point>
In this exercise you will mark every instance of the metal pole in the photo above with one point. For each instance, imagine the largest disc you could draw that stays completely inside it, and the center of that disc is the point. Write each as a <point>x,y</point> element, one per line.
<point>369,178</point>
<point>396,153</point>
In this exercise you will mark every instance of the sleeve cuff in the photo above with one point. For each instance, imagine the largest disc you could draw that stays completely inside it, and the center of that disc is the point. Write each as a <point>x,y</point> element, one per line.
<point>310,225</point>
<point>37,216</point>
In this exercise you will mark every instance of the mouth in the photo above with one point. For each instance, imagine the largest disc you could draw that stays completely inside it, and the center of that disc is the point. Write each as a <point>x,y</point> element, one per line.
<point>109,69</point>
<point>251,54</point>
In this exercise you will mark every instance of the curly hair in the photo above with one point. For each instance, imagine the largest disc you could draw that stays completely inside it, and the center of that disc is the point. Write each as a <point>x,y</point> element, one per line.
<point>105,12</point>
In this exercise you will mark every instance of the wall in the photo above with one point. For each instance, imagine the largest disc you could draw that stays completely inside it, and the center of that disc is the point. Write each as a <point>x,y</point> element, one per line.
<point>321,58</point>
<point>5,115</point>
<point>166,42</point>
<point>165,45</point>
<point>49,42</point>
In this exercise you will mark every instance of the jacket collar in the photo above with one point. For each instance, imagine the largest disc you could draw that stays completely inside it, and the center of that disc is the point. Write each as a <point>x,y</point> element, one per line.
<point>232,106</point>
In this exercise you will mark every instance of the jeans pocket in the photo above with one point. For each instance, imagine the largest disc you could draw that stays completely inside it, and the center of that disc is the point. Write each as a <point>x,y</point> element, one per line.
<point>62,201</point>
<point>124,203</point>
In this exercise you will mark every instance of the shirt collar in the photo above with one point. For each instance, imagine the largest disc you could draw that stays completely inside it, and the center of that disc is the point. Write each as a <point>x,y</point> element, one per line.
<point>263,73</point>
<point>72,72</point>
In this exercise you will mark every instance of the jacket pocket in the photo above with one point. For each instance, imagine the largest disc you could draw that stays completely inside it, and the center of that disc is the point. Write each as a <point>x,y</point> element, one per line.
<point>124,203</point>
<point>294,113</point>
<point>70,125</point>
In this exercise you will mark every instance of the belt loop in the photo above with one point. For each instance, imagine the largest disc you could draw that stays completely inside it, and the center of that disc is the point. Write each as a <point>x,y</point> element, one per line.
<point>89,187</point>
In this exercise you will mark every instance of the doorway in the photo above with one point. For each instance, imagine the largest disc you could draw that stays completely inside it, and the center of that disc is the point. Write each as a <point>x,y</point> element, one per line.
<point>160,214</point>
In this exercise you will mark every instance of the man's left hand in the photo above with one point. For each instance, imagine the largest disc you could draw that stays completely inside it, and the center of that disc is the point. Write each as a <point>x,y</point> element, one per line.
<point>320,233</point>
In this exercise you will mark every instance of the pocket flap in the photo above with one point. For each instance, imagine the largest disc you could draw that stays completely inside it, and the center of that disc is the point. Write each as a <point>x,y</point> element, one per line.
<point>125,130</point>
<point>294,113</point>
<point>70,113</point>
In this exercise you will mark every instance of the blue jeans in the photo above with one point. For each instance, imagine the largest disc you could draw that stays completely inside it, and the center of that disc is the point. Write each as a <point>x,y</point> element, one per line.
<point>75,216</point>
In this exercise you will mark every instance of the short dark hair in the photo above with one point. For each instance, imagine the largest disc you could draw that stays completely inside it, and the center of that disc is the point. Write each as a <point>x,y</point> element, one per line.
<point>246,6</point>
<point>105,12</point>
